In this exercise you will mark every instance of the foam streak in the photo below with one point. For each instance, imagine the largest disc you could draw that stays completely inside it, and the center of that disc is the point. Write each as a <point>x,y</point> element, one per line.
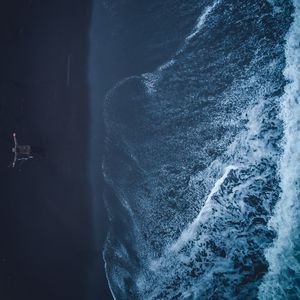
<point>190,232</point>
<point>201,20</point>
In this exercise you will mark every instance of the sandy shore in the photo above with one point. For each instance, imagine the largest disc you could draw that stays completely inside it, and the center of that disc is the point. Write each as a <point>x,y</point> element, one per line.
<point>46,208</point>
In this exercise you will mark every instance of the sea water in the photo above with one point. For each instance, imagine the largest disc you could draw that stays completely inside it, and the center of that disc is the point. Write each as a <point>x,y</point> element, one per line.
<point>203,151</point>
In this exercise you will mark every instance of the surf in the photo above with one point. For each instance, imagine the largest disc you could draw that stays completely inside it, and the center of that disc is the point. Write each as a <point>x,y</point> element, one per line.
<point>192,159</point>
<point>282,279</point>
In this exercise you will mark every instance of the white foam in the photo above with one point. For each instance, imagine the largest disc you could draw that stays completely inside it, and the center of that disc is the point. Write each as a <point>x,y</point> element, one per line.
<point>167,64</point>
<point>287,213</point>
<point>150,80</point>
<point>190,232</point>
<point>201,20</point>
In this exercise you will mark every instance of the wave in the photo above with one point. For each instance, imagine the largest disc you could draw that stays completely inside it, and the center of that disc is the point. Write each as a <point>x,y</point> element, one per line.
<point>282,280</point>
<point>192,160</point>
<point>150,79</point>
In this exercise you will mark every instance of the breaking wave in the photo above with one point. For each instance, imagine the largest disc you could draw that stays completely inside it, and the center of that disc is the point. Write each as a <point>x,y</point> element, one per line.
<point>283,279</point>
<point>202,158</point>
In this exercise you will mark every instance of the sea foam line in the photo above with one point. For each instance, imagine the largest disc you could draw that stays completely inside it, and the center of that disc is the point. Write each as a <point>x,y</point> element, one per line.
<point>201,20</point>
<point>281,256</point>
<point>190,232</point>
<point>150,79</point>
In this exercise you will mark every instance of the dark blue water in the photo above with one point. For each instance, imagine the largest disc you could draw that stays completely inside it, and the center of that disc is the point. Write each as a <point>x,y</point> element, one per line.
<point>202,151</point>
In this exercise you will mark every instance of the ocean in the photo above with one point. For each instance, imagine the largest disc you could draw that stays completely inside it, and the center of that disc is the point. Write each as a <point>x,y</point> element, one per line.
<point>202,147</point>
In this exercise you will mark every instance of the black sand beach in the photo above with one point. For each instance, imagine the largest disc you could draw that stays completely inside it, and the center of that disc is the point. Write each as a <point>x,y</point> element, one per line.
<point>48,250</point>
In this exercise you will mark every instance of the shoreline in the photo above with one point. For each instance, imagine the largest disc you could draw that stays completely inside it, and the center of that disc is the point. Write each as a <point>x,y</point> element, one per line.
<point>96,142</point>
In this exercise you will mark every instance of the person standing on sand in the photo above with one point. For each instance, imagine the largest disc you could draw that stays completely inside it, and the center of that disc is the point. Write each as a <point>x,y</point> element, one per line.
<point>23,152</point>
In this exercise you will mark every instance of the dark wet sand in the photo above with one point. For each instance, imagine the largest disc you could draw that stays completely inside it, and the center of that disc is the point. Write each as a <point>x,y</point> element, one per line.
<point>47,248</point>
